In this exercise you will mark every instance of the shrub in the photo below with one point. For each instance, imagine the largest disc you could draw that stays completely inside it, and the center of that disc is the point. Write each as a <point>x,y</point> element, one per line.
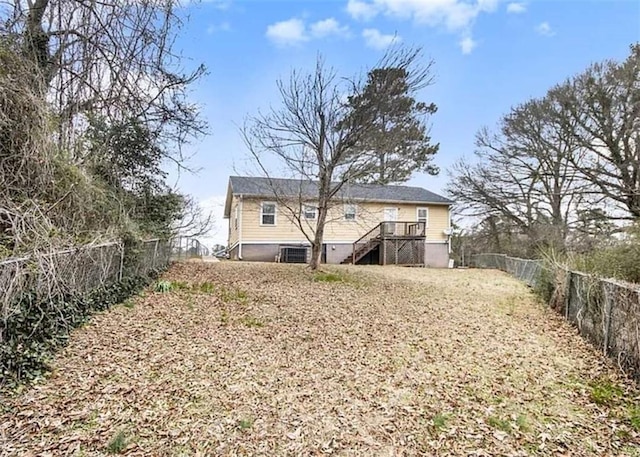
<point>545,283</point>
<point>621,261</point>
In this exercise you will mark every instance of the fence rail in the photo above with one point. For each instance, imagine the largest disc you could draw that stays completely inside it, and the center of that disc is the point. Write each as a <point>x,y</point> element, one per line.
<point>605,311</point>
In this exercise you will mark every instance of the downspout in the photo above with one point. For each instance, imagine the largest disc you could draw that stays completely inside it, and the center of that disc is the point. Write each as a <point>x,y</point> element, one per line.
<point>450,230</point>
<point>240,229</point>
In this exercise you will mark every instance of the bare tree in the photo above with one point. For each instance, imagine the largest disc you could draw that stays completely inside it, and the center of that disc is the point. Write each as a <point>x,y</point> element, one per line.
<point>313,136</point>
<point>600,108</point>
<point>194,220</point>
<point>114,59</point>
<point>524,176</point>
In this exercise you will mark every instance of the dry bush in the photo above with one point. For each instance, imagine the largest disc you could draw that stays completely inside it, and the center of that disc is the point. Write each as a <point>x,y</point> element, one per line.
<point>26,171</point>
<point>46,201</point>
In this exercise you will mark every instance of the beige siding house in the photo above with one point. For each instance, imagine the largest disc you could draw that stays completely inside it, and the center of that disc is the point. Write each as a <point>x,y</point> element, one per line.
<point>368,223</point>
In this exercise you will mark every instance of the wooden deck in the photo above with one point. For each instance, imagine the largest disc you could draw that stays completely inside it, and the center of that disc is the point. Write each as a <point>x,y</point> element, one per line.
<point>391,243</point>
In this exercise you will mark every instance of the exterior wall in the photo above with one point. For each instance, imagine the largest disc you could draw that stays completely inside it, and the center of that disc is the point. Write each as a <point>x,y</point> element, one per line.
<point>260,252</point>
<point>267,252</point>
<point>337,230</point>
<point>336,253</point>
<point>436,255</point>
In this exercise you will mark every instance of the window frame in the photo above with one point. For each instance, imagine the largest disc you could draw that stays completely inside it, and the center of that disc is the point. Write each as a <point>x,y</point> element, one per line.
<point>237,217</point>
<point>262,214</point>
<point>304,212</point>
<point>426,218</point>
<point>355,212</point>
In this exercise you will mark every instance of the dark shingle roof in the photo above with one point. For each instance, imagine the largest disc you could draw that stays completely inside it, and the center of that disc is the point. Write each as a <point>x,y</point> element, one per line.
<point>257,186</point>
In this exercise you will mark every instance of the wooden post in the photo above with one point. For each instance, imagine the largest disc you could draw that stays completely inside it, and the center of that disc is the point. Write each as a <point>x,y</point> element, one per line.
<point>396,251</point>
<point>608,306</point>
<point>121,261</point>
<point>155,254</point>
<point>567,294</point>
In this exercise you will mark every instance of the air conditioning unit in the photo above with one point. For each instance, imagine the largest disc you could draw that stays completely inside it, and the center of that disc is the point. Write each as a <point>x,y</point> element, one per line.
<point>293,254</point>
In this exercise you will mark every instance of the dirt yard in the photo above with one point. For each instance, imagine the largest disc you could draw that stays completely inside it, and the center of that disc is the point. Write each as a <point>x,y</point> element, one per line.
<point>271,360</point>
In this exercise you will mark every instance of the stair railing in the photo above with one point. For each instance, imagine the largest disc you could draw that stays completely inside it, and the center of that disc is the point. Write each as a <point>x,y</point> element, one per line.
<point>365,240</point>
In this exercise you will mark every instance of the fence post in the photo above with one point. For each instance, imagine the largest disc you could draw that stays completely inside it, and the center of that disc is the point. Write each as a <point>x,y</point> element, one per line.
<point>155,254</point>
<point>567,294</point>
<point>121,244</point>
<point>608,307</point>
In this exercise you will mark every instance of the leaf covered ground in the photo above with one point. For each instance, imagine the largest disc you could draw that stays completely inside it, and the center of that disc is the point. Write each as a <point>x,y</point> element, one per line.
<point>264,359</point>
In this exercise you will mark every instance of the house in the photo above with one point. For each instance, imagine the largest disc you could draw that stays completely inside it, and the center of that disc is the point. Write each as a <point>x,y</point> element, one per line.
<point>367,223</point>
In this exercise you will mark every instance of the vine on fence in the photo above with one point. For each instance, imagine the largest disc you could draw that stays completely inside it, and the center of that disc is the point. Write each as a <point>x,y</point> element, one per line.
<point>44,305</point>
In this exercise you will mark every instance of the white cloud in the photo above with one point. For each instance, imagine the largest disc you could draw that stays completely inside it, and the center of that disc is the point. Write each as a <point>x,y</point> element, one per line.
<point>328,27</point>
<point>376,40</point>
<point>545,29</point>
<point>219,4</point>
<point>361,11</point>
<point>222,27</point>
<point>467,45</point>
<point>290,32</point>
<point>516,8</point>
<point>455,16</point>
<point>295,31</point>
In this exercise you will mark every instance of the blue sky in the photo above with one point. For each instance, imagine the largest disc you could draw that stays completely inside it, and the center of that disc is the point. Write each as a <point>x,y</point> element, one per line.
<point>489,55</point>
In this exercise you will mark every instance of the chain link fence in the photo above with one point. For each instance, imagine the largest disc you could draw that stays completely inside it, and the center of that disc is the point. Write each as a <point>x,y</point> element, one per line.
<point>528,271</point>
<point>76,271</point>
<point>605,311</point>
<point>43,296</point>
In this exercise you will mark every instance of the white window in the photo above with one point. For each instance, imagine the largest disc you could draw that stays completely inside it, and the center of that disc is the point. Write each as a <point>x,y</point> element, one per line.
<point>349,212</point>
<point>423,216</point>
<point>268,213</point>
<point>390,214</point>
<point>237,216</point>
<point>309,212</point>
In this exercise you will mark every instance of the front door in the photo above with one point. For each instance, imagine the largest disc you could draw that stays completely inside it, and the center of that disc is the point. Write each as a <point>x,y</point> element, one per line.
<point>390,216</point>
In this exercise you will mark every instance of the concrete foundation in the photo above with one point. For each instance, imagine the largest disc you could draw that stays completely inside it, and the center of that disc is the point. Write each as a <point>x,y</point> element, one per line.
<point>435,254</point>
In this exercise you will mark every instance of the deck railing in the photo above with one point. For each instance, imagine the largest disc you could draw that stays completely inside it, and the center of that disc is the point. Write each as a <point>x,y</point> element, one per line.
<point>402,228</point>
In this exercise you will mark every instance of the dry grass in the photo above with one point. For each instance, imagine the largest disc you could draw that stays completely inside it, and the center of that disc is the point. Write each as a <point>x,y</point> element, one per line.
<point>268,360</point>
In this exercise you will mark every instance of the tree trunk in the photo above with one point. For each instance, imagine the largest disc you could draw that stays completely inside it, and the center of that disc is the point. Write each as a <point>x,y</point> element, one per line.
<point>316,246</point>
<point>36,44</point>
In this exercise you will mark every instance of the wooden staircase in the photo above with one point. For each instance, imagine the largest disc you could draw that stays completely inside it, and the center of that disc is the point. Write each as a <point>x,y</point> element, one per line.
<point>397,232</point>
<point>361,251</point>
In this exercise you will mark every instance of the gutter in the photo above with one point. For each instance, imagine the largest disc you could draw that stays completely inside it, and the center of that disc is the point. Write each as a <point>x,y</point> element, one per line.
<point>366,200</point>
